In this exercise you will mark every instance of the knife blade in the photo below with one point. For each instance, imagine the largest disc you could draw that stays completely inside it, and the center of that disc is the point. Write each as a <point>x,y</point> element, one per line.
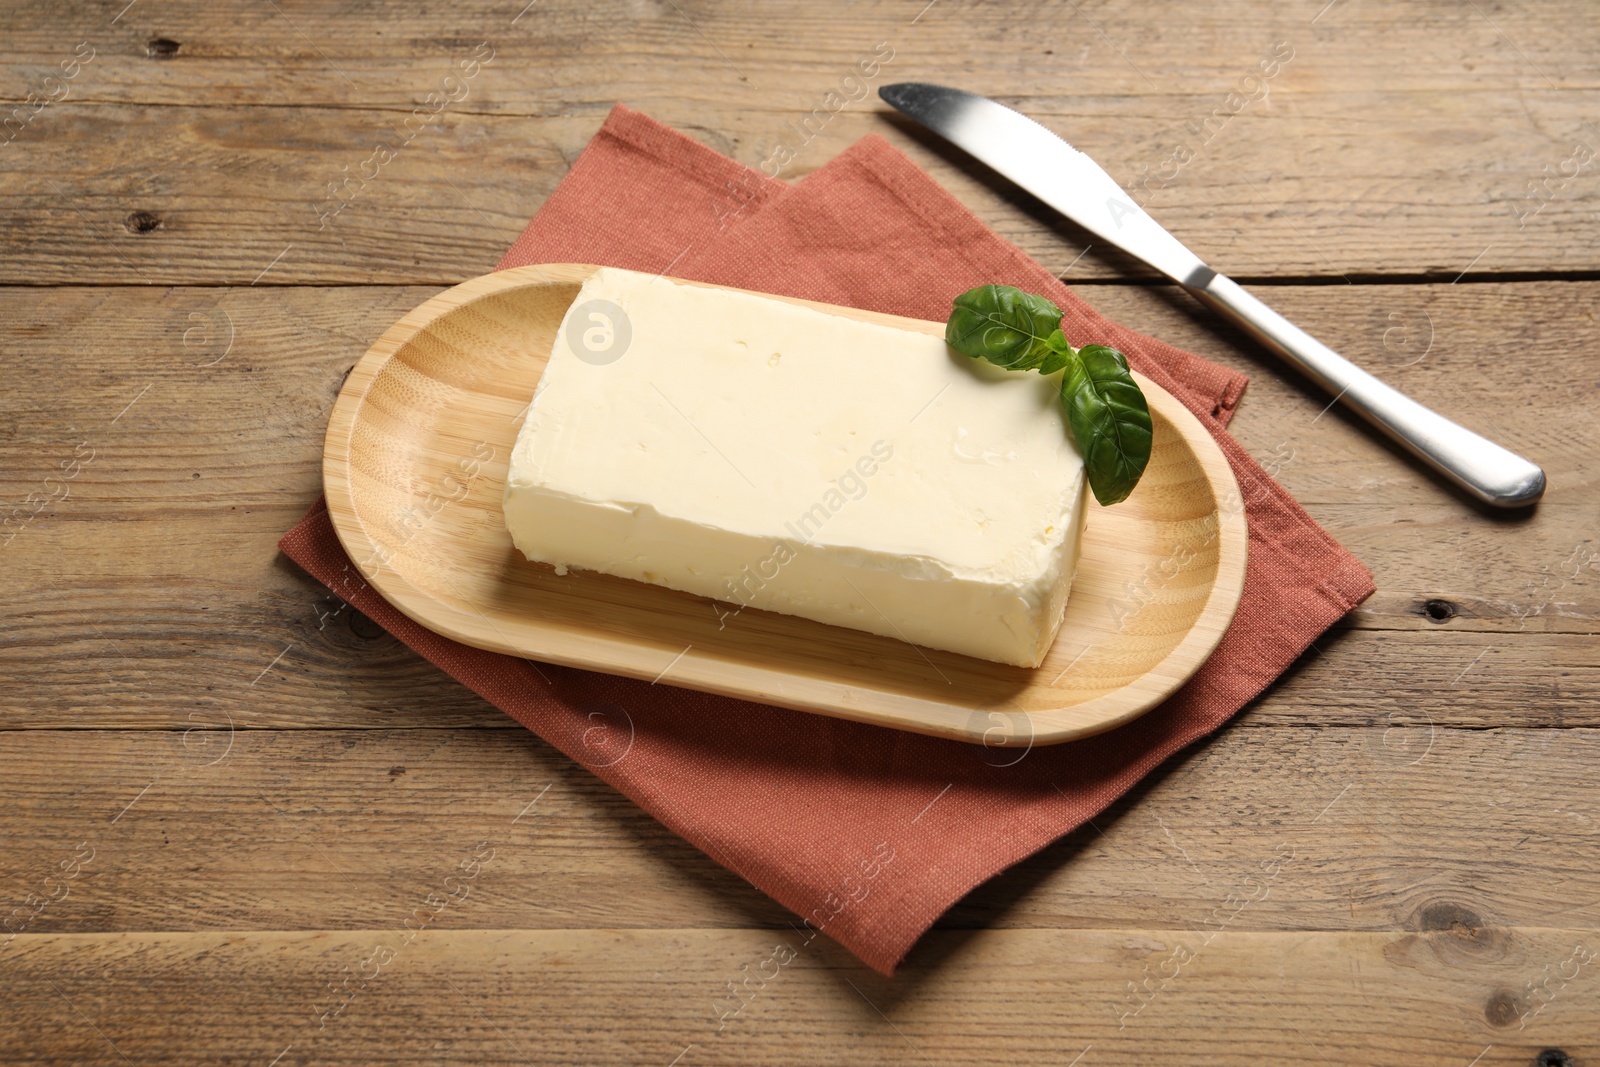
<point>1068,180</point>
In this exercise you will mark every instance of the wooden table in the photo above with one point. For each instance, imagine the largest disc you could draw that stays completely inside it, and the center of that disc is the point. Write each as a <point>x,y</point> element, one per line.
<point>223,788</point>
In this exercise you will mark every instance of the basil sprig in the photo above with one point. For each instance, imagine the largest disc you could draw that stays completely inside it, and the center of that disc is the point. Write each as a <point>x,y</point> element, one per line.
<point>1106,410</point>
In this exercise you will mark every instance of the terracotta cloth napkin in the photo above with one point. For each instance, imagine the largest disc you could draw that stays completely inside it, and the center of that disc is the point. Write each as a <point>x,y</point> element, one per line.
<point>869,833</point>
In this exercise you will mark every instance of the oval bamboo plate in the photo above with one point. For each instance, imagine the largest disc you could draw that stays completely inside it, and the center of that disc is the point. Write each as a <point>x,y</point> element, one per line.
<point>414,468</point>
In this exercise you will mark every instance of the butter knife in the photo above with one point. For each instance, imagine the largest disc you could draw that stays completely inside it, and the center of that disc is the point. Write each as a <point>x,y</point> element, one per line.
<point>1073,184</point>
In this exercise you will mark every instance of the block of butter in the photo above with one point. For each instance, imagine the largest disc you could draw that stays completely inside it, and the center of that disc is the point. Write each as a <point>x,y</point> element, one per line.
<point>768,455</point>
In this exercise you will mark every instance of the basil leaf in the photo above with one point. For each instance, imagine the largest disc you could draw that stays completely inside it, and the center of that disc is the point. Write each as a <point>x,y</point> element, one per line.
<point>1109,419</point>
<point>1106,411</point>
<point>1005,326</point>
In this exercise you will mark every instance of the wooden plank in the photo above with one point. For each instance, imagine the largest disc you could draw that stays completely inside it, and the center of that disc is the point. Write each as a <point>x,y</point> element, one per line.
<point>1392,143</point>
<point>240,382</point>
<point>1382,827</point>
<point>195,417</point>
<point>300,50</point>
<point>274,648</point>
<point>1442,995</point>
<point>265,366</point>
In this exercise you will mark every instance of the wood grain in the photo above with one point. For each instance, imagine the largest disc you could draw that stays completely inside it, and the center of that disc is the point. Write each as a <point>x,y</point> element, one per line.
<point>1392,144</point>
<point>279,652</point>
<point>344,828</point>
<point>649,996</point>
<point>166,541</point>
<point>1429,762</point>
<point>265,367</point>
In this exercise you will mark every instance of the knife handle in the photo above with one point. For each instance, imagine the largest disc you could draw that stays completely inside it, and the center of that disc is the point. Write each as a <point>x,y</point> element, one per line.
<point>1489,472</point>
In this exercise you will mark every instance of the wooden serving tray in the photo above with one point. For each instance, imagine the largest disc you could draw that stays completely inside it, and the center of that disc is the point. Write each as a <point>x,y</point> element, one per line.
<point>414,468</point>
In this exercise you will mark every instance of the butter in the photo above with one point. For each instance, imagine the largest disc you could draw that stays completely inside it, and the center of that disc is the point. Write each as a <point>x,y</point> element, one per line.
<point>772,456</point>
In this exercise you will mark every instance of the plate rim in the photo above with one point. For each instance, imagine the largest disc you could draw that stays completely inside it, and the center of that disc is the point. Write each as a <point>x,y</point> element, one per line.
<point>1199,642</point>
